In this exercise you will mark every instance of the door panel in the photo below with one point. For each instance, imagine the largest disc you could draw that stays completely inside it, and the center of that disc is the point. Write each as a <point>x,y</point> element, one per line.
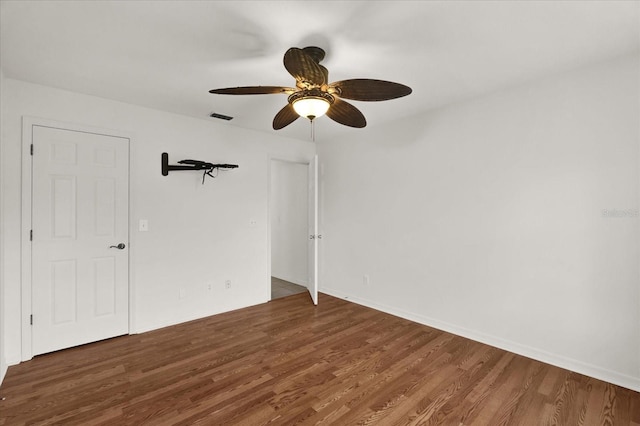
<point>104,271</point>
<point>63,200</point>
<point>105,212</point>
<point>63,291</point>
<point>80,286</point>
<point>312,285</point>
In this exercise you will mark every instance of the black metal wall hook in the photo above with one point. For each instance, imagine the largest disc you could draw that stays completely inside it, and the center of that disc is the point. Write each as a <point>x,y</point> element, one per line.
<point>193,165</point>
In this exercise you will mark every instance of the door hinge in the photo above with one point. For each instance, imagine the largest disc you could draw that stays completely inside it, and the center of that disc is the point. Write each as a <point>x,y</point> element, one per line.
<point>31,149</point>
<point>31,235</point>
<point>31,319</point>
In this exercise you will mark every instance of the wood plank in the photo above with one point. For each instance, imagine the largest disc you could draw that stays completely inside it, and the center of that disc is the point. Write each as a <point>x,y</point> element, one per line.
<point>289,362</point>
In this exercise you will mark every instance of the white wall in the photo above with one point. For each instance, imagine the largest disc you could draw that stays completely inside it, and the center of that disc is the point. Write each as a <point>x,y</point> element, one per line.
<point>288,202</point>
<point>487,219</point>
<point>3,362</point>
<point>198,235</point>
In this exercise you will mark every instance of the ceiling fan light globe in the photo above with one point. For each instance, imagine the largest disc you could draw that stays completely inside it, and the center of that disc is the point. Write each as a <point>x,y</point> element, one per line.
<point>311,107</point>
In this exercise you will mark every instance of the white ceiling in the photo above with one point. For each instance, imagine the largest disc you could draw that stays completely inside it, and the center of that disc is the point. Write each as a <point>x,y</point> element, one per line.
<point>167,55</point>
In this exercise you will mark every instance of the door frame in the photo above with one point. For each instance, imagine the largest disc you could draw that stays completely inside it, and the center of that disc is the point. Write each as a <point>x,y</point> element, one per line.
<point>288,159</point>
<point>26,225</point>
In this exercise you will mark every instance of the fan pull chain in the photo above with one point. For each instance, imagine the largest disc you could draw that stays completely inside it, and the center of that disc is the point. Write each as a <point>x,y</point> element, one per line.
<point>313,131</point>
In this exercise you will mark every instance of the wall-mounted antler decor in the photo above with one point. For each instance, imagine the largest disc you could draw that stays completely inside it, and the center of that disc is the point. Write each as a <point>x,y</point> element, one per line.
<point>193,165</point>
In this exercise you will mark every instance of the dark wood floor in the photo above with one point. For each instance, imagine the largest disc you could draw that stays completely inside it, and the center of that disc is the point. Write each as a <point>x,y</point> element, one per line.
<point>287,362</point>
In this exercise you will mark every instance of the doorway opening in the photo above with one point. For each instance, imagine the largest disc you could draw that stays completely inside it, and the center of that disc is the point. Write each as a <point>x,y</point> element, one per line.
<point>288,215</point>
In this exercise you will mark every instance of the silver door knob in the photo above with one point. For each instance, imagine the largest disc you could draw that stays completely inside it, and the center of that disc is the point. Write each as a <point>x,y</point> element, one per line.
<point>119,246</point>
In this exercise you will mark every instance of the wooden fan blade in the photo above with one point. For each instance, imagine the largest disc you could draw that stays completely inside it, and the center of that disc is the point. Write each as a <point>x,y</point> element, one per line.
<point>284,117</point>
<point>316,53</point>
<point>303,67</point>
<point>345,113</point>
<point>253,90</point>
<point>364,89</point>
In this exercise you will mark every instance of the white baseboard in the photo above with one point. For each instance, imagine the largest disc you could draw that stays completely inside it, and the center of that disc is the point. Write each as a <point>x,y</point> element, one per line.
<point>3,372</point>
<point>574,365</point>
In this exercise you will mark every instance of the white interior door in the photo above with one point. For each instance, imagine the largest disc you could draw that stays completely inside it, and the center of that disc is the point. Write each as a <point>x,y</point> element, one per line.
<point>80,210</point>
<point>313,230</point>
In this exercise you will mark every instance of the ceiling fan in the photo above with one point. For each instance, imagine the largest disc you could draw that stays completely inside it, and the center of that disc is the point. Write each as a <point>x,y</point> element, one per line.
<point>314,96</point>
